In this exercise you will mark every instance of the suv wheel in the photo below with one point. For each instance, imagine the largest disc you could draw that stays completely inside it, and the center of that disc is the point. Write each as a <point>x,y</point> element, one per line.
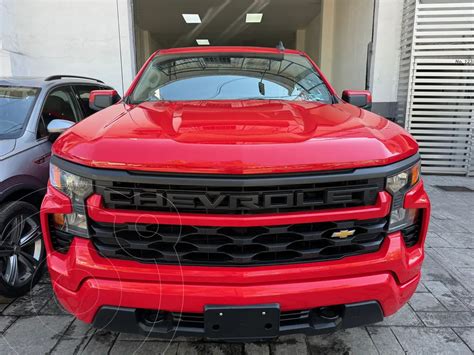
<point>21,248</point>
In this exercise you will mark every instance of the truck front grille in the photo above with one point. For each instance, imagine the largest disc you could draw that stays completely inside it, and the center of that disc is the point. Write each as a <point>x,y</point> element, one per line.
<point>239,200</point>
<point>196,245</point>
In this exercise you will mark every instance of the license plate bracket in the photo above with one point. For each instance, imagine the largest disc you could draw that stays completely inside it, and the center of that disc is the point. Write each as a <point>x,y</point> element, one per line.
<point>242,322</point>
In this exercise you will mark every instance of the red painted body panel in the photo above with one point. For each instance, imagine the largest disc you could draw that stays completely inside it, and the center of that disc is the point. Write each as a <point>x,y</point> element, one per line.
<point>192,298</point>
<point>84,281</point>
<point>367,94</point>
<point>99,214</point>
<point>234,137</point>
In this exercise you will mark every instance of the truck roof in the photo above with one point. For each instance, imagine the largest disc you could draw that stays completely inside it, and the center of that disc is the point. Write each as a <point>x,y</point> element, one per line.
<point>228,49</point>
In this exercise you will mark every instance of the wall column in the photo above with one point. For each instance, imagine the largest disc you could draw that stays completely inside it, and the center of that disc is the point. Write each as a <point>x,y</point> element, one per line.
<point>300,39</point>
<point>385,59</point>
<point>327,37</point>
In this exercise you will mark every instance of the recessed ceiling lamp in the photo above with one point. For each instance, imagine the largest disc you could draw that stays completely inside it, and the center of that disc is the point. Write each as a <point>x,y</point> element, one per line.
<point>191,18</point>
<point>254,18</point>
<point>202,42</point>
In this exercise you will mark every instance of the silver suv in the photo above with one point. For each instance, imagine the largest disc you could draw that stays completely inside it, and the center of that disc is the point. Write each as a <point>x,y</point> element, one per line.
<point>27,107</point>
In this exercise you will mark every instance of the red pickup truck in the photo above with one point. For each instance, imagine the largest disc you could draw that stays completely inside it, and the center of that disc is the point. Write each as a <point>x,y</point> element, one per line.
<point>232,194</point>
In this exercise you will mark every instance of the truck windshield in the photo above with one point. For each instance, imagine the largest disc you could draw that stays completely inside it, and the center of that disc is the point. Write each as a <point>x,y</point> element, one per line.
<point>15,106</point>
<point>227,76</point>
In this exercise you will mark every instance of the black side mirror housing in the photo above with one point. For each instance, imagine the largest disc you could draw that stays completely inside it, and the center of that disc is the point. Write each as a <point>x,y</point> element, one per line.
<point>359,98</point>
<point>100,99</point>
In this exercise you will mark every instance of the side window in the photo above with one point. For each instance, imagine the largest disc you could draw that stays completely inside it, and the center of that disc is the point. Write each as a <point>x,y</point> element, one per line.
<point>83,92</point>
<point>58,105</point>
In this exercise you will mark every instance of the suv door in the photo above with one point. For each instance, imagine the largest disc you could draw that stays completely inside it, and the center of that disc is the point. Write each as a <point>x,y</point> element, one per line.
<point>61,103</point>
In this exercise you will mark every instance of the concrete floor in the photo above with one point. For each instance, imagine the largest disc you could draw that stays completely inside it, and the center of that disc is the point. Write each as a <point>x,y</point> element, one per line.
<point>438,319</point>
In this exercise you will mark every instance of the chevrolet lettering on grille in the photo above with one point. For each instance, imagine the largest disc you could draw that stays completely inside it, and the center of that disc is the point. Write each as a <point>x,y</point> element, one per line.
<point>238,201</point>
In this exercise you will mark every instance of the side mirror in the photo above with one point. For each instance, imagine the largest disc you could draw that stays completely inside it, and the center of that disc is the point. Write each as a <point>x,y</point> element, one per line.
<point>56,127</point>
<point>359,98</point>
<point>100,99</point>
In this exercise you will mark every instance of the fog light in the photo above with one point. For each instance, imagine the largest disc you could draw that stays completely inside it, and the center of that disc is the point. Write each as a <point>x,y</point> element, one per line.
<point>401,218</point>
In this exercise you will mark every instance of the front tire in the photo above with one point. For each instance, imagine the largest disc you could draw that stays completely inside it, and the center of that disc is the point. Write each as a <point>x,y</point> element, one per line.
<point>22,249</point>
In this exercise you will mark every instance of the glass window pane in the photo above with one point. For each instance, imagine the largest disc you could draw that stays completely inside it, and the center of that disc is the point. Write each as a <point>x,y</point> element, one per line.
<point>231,77</point>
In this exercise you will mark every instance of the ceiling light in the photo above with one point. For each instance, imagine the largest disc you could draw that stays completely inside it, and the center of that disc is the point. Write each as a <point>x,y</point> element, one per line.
<point>191,18</point>
<point>254,18</point>
<point>202,42</point>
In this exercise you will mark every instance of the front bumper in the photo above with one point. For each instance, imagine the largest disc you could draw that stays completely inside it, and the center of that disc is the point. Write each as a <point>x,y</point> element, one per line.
<point>256,321</point>
<point>88,285</point>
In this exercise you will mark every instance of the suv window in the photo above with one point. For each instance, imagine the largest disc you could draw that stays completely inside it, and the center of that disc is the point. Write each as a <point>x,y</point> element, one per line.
<point>83,93</point>
<point>58,105</point>
<point>16,104</point>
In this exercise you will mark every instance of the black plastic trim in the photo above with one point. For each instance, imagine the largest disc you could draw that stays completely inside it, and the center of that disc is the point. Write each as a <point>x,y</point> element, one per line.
<point>129,320</point>
<point>57,77</point>
<point>163,58</point>
<point>234,180</point>
<point>61,240</point>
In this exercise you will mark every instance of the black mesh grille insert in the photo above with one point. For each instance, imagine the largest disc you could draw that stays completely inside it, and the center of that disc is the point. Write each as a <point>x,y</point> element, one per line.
<point>239,200</point>
<point>195,245</point>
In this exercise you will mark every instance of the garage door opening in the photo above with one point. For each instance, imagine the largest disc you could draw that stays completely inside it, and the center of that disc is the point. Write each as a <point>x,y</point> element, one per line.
<point>160,24</point>
<point>336,34</point>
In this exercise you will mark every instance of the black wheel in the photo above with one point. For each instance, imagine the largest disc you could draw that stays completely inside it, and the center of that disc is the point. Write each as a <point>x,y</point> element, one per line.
<point>22,249</point>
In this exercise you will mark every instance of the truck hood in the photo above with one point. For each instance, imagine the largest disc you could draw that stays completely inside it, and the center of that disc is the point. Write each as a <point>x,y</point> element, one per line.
<point>234,137</point>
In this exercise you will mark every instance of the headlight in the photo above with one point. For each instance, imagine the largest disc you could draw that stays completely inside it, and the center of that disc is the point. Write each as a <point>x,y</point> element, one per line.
<point>78,189</point>
<point>398,185</point>
<point>404,180</point>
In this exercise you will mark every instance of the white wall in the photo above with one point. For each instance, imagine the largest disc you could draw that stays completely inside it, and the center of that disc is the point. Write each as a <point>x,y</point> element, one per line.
<point>337,40</point>
<point>386,50</point>
<point>338,37</point>
<point>146,44</point>
<point>352,34</point>
<point>5,65</point>
<point>327,34</point>
<point>142,45</point>
<point>81,37</point>
<point>300,41</point>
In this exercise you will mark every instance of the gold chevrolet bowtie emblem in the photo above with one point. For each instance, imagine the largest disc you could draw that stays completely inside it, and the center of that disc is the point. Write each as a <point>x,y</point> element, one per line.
<point>343,234</point>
